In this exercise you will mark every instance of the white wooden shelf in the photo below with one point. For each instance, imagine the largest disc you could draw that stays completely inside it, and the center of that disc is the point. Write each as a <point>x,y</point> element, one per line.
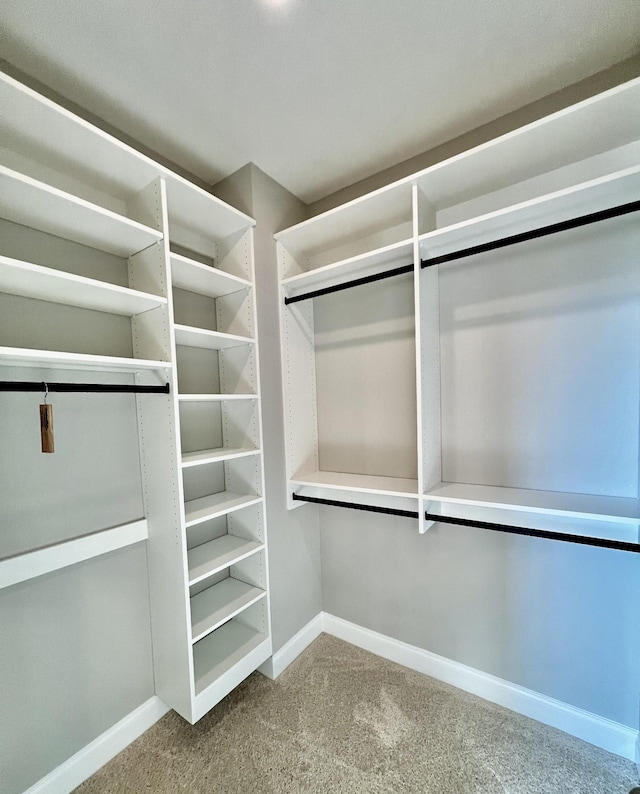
<point>46,284</point>
<point>366,264</point>
<point>358,483</point>
<point>31,564</point>
<point>219,504</point>
<point>596,194</point>
<point>215,455</point>
<point>209,340</point>
<point>389,206</point>
<point>193,276</point>
<point>602,122</point>
<point>618,510</point>
<point>32,203</point>
<point>54,359</point>
<point>45,131</point>
<point>220,651</point>
<point>220,602</point>
<point>195,398</point>
<point>216,555</point>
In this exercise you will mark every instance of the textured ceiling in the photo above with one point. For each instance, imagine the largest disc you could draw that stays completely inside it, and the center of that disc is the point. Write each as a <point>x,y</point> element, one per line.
<point>317,93</point>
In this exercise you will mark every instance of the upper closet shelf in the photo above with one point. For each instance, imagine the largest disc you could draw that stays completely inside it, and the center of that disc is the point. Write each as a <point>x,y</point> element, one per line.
<point>597,194</point>
<point>42,131</point>
<point>618,510</point>
<point>193,276</point>
<point>32,203</point>
<point>55,359</point>
<point>211,340</point>
<point>601,123</point>
<point>360,266</point>
<point>46,284</point>
<point>383,213</point>
<point>357,483</point>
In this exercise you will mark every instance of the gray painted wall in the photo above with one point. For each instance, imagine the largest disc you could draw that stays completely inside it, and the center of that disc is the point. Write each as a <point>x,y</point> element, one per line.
<point>294,541</point>
<point>75,653</point>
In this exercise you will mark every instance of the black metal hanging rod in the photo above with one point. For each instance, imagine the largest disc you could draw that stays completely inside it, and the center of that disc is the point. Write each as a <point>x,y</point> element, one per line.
<point>390,511</point>
<point>356,282</point>
<point>585,540</point>
<point>503,242</point>
<point>543,231</point>
<point>108,388</point>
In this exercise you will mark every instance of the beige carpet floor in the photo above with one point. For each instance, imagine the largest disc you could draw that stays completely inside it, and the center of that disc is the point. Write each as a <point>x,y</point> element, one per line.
<point>340,719</point>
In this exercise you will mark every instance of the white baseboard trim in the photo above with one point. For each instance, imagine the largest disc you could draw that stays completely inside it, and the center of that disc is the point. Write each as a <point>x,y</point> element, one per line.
<point>64,778</point>
<point>609,735</point>
<point>290,651</point>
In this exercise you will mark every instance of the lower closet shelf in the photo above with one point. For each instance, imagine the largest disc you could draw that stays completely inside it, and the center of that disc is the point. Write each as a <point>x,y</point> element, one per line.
<point>204,456</point>
<point>217,604</point>
<point>218,504</point>
<point>357,483</point>
<point>214,556</point>
<point>219,652</point>
<point>31,564</point>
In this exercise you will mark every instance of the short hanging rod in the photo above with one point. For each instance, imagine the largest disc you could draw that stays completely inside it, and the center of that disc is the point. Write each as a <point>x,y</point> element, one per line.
<point>390,511</point>
<point>104,388</point>
<point>585,540</point>
<point>356,282</point>
<point>543,231</point>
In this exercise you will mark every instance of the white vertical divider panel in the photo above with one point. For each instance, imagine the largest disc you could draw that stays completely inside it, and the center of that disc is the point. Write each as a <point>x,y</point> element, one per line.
<point>162,480</point>
<point>299,384</point>
<point>428,316</point>
<point>418,336</point>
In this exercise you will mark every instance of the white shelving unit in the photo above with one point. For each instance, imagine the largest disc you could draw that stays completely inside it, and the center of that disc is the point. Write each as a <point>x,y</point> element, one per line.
<point>488,448</point>
<point>188,313</point>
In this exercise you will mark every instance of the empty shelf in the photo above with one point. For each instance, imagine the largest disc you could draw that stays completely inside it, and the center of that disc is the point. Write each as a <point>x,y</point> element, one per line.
<point>210,340</point>
<point>582,506</point>
<point>46,284</point>
<point>217,653</point>
<point>31,203</point>
<point>218,554</point>
<point>54,359</point>
<point>217,604</point>
<point>592,196</point>
<point>31,564</point>
<point>218,504</point>
<point>215,455</point>
<point>367,264</point>
<point>215,397</point>
<point>205,280</point>
<point>358,483</point>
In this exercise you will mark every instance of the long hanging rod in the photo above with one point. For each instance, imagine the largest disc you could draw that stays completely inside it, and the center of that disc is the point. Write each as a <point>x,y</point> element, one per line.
<point>356,282</point>
<point>585,540</point>
<point>390,511</point>
<point>543,231</point>
<point>618,545</point>
<point>42,386</point>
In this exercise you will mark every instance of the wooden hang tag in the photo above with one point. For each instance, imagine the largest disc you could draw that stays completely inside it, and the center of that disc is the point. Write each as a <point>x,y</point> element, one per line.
<point>46,427</point>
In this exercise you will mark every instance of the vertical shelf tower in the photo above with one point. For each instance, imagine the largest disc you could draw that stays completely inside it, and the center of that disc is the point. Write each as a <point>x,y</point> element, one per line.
<point>189,315</point>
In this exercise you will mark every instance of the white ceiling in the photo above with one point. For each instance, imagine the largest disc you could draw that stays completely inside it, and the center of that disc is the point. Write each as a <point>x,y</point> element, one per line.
<point>317,93</point>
